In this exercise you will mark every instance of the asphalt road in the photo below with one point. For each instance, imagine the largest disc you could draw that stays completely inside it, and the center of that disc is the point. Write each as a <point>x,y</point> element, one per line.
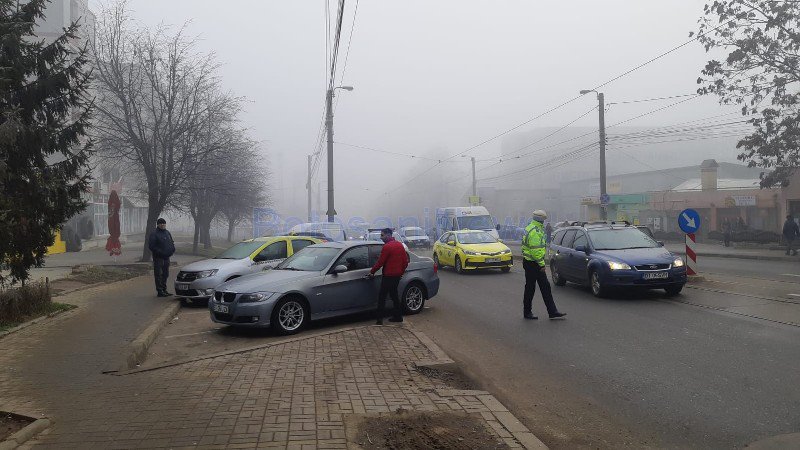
<point>633,371</point>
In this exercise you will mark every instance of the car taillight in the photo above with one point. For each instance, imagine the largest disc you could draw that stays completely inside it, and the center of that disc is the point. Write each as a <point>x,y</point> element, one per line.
<point>435,268</point>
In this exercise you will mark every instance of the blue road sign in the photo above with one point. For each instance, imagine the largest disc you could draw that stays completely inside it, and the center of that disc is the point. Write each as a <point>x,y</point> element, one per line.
<point>689,221</point>
<point>605,199</point>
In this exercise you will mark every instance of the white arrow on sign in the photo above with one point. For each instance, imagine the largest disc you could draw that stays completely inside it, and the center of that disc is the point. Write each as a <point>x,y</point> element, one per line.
<point>689,220</point>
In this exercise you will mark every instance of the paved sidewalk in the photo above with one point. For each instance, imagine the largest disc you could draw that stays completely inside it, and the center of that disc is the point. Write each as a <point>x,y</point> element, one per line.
<point>295,393</point>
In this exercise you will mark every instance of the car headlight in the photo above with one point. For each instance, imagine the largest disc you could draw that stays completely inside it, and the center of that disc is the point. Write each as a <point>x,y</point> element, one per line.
<point>254,297</point>
<point>678,262</point>
<point>613,265</point>
<point>506,251</point>
<point>206,273</point>
<point>468,252</point>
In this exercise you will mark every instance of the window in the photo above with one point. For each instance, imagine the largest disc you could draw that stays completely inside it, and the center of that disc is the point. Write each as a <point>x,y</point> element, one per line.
<point>569,236</point>
<point>479,237</point>
<point>445,237</point>
<point>557,238</point>
<point>299,244</point>
<point>271,252</point>
<point>580,239</point>
<point>240,250</point>
<point>374,254</point>
<point>355,259</point>
<point>476,223</point>
<point>312,259</point>
<point>621,238</point>
<point>454,225</point>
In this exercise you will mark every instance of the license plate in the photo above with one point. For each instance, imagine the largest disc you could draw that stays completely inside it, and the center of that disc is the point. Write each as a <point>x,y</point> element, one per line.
<point>221,308</point>
<point>182,286</point>
<point>492,260</point>
<point>655,276</point>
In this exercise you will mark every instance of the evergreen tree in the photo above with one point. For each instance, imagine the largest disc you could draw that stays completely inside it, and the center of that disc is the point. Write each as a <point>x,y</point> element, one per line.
<point>44,114</point>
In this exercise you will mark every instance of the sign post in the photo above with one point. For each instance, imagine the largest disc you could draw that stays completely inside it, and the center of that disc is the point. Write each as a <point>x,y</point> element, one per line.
<point>689,222</point>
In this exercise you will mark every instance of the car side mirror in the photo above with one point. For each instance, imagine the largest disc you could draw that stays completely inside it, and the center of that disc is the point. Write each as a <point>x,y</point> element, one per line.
<point>497,227</point>
<point>341,268</point>
<point>660,243</point>
<point>582,248</point>
<point>451,243</point>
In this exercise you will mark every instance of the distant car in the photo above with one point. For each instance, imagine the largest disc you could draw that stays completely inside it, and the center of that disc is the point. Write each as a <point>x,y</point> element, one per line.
<point>646,230</point>
<point>414,237</point>
<point>334,231</point>
<point>323,280</point>
<point>313,234</point>
<point>510,232</point>
<point>196,281</point>
<point>610,256</point>
<point>470,250</point>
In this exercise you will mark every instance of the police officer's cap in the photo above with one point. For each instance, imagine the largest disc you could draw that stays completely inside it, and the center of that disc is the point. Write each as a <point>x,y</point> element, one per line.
<point>539,215</point>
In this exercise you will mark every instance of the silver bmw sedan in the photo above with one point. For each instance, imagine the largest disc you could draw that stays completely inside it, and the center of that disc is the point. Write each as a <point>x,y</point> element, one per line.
<point>320,281</point>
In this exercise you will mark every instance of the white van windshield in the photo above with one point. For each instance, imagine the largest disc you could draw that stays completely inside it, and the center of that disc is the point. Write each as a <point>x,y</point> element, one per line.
<point>475,223</point>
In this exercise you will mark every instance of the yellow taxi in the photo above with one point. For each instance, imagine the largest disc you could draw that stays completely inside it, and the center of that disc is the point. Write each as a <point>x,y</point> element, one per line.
<point>470,250</point>
<point>197,280</point>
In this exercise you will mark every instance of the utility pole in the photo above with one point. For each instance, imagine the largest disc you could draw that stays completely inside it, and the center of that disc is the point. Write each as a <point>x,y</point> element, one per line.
<point>308,187</point>
<point>329,125</point>
<point>474,181</point>
<point>602,111</point>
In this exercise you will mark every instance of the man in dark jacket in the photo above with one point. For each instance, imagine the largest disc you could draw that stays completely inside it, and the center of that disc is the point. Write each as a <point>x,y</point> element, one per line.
<point>790,233</point>
<point>393,260</point>
<point>162,246</point>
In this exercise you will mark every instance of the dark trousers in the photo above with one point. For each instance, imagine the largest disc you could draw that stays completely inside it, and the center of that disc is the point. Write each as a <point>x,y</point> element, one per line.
<point>789,245</point>
<point>535,274</point>
<point>161,273</point>
<point>727,239</point>
<point>389,287</point>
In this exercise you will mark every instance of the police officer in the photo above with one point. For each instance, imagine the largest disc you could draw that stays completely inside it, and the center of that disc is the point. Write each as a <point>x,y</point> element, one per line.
<point>533,251</point>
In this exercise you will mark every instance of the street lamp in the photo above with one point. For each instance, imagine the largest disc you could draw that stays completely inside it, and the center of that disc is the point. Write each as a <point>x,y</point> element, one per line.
<point>329,124</point>
<point>601,110</point>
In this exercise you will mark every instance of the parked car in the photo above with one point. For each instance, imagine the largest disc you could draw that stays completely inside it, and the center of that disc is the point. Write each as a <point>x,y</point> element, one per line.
<point>510,232</point>
<point>414,237</point>
<point>610,256</point>
<point>196,281</point>
<point>470,250</point>
<point>323,280</point>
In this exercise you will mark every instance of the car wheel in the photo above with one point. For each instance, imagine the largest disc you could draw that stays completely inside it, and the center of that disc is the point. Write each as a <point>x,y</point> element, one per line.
<point>558,280</point>
<point>505,269</point>
<point>597,285</point>
<point>436,260</point>
<point>413,298</point>
<point>674,290</point>
<point>289,315</point>
<point>459,268</point>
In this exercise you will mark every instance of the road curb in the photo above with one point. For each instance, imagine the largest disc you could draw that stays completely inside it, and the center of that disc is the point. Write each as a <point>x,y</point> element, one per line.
<point>740,256</point>
<point>25,434</point>
<point>139,347</point>
<point>507,419</point>
<point>31,322</point>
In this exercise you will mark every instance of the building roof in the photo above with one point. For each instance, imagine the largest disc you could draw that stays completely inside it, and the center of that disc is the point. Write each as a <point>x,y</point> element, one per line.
<point>723,184</point>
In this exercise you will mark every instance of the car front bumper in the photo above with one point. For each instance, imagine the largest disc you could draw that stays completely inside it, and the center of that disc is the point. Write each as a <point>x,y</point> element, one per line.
<point>480,262</point>
<point>202,288</point>
<point>255,315</point>
<point>635,279</point>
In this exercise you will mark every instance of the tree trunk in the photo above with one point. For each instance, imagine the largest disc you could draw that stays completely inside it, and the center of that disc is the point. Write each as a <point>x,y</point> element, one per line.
<point>153,211</point>
<point>196,238</point>
<point>207,234</point>
<point>231,227</point>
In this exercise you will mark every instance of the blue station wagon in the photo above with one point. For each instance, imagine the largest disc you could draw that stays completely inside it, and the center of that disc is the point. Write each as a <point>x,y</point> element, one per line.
<point>613,255</point>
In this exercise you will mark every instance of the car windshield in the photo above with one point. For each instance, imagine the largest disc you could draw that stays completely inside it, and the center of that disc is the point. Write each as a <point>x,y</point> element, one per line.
<point>312,259</point>
<point>475,223</point>
<point>476,238</point>
<point>620,239</point>
<point>414,232</point>
<point>240,250</point>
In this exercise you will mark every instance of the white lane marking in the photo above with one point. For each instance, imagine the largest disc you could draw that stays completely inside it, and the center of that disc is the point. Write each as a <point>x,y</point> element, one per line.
<point>793,295</point>
<point>790,274</point>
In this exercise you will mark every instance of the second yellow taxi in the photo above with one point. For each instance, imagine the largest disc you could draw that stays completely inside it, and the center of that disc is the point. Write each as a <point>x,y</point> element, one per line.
<point>470,250</point>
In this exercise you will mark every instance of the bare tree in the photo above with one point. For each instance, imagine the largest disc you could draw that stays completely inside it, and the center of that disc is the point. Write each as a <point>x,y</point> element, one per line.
<point>154,94</point>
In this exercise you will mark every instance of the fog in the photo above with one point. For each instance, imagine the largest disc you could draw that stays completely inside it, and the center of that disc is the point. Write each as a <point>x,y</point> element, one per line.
<point>433,79</point>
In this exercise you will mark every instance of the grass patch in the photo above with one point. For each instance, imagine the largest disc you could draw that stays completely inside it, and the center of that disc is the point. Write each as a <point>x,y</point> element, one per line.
<point>109,274</point>
<point>24,303</point>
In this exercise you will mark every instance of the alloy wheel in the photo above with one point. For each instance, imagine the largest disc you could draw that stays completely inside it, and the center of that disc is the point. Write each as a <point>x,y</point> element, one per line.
<point>414,298</point>
<point>291,315</point>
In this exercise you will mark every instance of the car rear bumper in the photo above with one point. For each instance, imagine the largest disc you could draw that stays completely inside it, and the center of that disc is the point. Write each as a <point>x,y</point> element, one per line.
<point>432,287</point>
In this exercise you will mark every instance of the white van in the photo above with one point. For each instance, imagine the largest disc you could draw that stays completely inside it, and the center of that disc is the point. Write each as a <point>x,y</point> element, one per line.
<point>464,218</point>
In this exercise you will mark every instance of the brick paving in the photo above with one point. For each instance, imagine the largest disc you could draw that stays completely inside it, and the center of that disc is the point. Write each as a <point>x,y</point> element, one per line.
<point>296,394</point>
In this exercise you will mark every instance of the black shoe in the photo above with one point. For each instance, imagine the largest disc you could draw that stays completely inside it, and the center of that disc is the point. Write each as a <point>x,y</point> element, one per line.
<point>396,319</point>
<point>167,293</point>
<point>557,315</point>
<point>162,294</point>
<point>379,322</point>
<point>530,316</point>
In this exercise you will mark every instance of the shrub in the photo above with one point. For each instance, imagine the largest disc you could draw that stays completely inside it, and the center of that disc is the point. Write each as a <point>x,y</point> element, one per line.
<point>21,303</point>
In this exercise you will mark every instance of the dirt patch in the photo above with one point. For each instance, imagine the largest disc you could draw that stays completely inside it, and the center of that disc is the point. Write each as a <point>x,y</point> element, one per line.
<point>426,430</point>
<point>106,274</point>
<point>448,379</point>
<point>11,423</point>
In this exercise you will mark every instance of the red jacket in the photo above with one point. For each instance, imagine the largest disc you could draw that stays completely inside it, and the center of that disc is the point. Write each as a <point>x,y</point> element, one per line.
<point>393,259</point>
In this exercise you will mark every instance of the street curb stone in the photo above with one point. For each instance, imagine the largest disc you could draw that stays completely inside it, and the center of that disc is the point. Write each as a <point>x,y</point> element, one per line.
<point>25,434</point>
<point>39,319</point>
<point>139,347</point>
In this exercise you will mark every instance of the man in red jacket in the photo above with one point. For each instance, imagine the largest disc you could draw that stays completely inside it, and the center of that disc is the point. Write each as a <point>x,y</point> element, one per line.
<point>394,261</point>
